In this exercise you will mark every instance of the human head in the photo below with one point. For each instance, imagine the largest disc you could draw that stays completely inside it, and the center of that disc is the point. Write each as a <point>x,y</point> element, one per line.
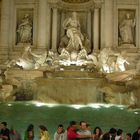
<point>12,130</point>
<point>83,125</point>
<point>128,136</point>
<point>119,132</point>
<point>138,130</point>
<point>43,128</point>
<point>97,130</point>
<point>3,125</point>
<point>73,124</point>
<point>112,131</point>
<point>30,127</point>
<point>88,126</point>
<point>60,129</point>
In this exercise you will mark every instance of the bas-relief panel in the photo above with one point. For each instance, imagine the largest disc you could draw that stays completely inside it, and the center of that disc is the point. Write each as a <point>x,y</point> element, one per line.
<point>24,26</point>
<point>127,27</point>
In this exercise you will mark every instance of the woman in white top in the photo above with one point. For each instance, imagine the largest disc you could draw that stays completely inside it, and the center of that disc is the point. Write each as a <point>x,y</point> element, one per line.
<point>60,134</point>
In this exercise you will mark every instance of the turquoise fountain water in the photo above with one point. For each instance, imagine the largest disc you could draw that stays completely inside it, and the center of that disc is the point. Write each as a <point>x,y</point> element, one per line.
<point>20,114</point>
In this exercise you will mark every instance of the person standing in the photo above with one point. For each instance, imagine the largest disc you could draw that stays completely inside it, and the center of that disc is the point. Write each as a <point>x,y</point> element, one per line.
<point>44,135</point>
<point>110,135</point>
<point>14,134</point>
<point>84,131</point>
<point>136,135</point>
<point>61,134</point>
<point>29,133</point>
<point>97,133</point>
<point>72,132</point>
<point>5,132</point>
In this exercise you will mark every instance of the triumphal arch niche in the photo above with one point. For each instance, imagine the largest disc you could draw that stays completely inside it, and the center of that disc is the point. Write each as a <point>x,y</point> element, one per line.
<point>87,14</point>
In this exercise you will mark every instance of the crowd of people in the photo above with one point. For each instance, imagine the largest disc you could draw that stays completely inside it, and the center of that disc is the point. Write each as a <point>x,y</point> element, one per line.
<point>73,132</point>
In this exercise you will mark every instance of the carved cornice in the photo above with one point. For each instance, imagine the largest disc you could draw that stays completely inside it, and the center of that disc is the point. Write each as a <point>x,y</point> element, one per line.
<point>76,5</point>
<point>76,1</point>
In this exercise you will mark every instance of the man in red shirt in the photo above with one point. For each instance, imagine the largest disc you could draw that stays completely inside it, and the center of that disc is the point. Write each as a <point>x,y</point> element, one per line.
<point>72,134</point>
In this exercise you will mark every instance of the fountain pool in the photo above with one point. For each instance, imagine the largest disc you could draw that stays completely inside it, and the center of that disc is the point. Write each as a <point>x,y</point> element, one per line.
<point>20,114</point>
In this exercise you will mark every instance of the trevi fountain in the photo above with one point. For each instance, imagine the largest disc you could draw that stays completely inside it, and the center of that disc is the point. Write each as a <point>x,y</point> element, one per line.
<point>70,52</point>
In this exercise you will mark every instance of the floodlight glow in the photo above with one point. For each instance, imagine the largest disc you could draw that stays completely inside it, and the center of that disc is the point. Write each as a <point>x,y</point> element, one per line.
<point>122,108</point>
<point>136,112</point>
<point>9,104</point>
<point>52,105</point>
<point>77,106</point>
<point>38,104</point>
<point>94,105</point>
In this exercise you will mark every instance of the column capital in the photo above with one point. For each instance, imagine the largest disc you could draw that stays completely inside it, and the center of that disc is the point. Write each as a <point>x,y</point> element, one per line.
<point>54,3</point>
<point>96,9</point>
<point>98,3</point>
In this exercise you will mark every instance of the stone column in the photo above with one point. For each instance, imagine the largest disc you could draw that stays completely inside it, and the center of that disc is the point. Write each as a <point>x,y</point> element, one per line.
<point>54,29</point>
<point>96,29</point>
<point>4,33</point>
<point>108,23</point>
<point>43,18</point>
<point>62,20</point>
<point>89,25</point>
<point>48,27</point>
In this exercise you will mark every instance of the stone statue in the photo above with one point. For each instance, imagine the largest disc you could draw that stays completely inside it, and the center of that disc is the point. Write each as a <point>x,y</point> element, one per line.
<point>25,30</point>
<point>72,27</point>
<point>120,62</point>
<point>39,59</point>
<point>103,58</point>
<point>30,60</point>
<point>63,43</point>
<point>26,60</point>
<point>74,47</point>
<point>127,30</point>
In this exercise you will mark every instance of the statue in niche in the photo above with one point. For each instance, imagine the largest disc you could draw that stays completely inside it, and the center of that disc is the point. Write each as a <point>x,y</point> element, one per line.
<point>25,30</point>
<point>72,27</point>
<point>74,46</point>
<point>127,30</point>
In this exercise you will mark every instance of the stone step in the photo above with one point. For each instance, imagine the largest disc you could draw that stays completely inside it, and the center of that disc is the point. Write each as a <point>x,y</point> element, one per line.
<point>73,74</point>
